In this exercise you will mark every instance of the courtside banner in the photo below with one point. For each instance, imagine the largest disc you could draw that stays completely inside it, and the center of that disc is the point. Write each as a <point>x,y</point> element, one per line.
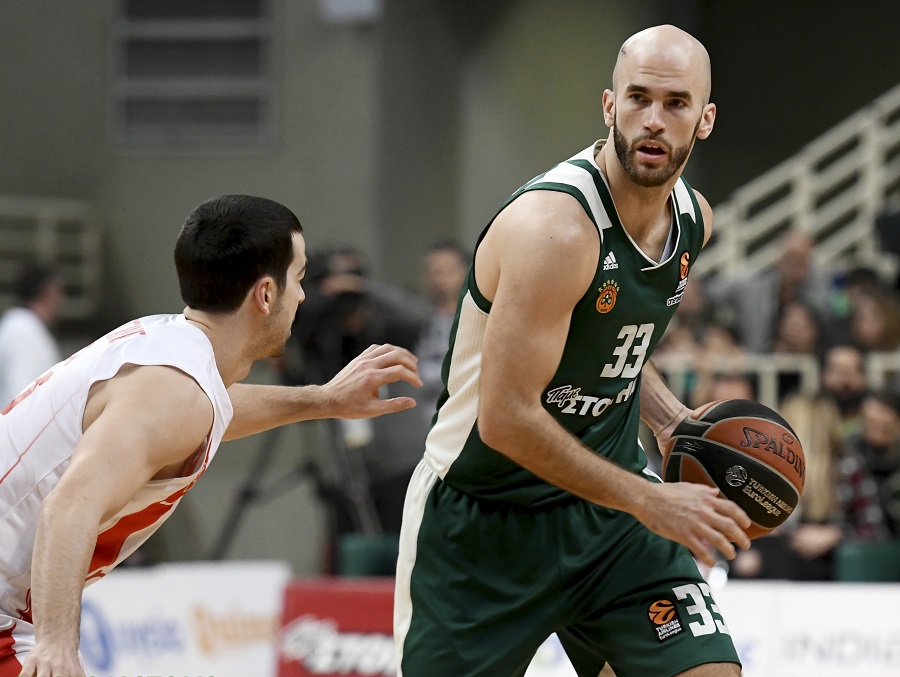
<point>334,627</point>
<point>784,629</point>
<point>337,628</point>
<point>187,620</point>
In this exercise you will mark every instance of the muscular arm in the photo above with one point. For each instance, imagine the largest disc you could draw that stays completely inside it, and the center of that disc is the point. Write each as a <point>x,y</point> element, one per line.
<point>538,259</point>
<point>352,393</point>
<point>535,263</point>
<point>142,421</point>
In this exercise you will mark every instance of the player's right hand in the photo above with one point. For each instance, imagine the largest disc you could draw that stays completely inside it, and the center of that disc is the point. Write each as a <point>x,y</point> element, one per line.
<point>697,517</point>
<point>50,661</point>
<point>353,392</point>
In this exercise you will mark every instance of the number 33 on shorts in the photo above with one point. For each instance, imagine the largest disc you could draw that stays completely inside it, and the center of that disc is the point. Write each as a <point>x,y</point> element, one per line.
<point>706,616</point>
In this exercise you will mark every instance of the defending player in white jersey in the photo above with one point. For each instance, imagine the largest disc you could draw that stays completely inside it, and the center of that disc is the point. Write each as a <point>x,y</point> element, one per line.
<point>97,452</point>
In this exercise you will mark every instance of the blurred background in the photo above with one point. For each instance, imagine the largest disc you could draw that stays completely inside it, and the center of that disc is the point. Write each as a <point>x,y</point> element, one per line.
<point>388,126</point>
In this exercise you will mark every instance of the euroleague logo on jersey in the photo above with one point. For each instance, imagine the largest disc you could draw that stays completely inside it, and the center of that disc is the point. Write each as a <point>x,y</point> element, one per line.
<point>683,270</point>
<point>607,298</point>
<point>685,265</point>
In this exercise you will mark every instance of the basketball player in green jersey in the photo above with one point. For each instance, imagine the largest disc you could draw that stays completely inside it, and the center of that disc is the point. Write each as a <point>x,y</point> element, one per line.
<point>532,511</point>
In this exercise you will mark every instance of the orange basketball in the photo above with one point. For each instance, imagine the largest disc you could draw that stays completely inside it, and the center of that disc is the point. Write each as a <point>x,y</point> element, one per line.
<point>747,451</point>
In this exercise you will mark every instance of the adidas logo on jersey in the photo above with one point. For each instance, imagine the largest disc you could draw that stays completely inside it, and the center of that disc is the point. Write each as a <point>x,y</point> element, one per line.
<point>610,263</point>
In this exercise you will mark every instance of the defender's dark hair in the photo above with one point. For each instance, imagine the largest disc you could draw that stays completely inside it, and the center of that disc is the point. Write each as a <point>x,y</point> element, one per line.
<point>227,244</point>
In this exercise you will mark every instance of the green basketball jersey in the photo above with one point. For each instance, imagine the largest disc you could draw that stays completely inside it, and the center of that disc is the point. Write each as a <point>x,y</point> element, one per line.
<point>614,329</point>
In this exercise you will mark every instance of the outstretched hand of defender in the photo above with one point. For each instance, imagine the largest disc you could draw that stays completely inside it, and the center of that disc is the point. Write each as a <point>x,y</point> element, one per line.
<point>354,389</point>
<point>697,517</point>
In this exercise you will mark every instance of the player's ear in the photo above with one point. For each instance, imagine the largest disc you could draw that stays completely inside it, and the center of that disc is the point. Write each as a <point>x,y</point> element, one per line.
<point>263,294</point>
<point>609,108</point>
<point>707,121</point>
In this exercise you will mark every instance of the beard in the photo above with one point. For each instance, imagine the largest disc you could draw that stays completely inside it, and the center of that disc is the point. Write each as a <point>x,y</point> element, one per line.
<point>658,176</point>
<point>274,337</point>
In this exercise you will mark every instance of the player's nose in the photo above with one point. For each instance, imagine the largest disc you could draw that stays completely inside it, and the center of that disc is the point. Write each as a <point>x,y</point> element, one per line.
<point>654,118</point>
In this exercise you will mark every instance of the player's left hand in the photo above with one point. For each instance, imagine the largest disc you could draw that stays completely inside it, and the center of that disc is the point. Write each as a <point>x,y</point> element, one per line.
<point>353,391</point>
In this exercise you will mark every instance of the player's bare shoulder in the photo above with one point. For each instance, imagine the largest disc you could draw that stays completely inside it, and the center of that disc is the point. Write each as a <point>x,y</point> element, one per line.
<point>541,233</point>
<point>154,397</point>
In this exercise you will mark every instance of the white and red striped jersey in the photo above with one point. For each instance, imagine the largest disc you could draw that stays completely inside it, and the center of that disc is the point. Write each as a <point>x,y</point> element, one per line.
<point>41,427</point>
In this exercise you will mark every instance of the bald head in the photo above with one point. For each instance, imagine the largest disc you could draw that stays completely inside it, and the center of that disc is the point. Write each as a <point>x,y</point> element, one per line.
<point>664,51</point>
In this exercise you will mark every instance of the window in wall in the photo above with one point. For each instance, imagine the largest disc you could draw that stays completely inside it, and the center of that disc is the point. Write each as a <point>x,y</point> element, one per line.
<point>197,73</point>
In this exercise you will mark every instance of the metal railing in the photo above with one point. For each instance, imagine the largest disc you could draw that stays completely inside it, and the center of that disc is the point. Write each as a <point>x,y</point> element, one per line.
<point>765,370</point>
<point>834,189</point>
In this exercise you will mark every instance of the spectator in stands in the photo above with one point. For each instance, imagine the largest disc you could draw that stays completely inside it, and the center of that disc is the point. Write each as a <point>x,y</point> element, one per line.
<point>754,301</point>
<point>844,380</point>
<point>732,387</point>
<point>798,333</point>
<point>445,266</point>
<point>719,366</point>
<point>875,321</point>
<point>848,287</point>
<point>840,502</point>
<point>27,346</point>
<point>878,443</point>
<point>798,330</point>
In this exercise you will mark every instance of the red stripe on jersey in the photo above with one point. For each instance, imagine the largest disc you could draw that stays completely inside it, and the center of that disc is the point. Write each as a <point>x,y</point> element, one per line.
<point>111,541</point>
<point>9,666</point>
<point>25,614</point>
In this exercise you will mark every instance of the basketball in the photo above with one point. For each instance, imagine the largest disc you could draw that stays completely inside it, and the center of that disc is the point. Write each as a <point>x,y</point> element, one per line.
<point>747,451</point>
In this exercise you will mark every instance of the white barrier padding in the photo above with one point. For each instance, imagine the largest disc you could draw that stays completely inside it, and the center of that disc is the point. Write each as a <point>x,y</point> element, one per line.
<point>197,620</point>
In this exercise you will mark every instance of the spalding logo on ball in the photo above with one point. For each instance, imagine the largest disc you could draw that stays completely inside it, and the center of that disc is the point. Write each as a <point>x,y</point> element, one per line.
<point>748,452</point>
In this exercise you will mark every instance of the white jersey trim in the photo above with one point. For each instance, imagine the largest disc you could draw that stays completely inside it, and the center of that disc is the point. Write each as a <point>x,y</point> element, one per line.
<point>458,414</point>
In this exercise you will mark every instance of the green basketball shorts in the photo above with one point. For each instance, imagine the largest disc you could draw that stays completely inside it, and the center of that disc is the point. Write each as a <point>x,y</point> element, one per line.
<point>480,585</point>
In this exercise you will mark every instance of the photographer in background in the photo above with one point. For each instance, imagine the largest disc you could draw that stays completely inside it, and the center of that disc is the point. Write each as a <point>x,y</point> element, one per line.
<point>345,311</point>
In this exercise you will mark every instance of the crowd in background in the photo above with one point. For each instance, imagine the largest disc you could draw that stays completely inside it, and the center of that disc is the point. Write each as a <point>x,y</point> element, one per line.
<point>849,424</point>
